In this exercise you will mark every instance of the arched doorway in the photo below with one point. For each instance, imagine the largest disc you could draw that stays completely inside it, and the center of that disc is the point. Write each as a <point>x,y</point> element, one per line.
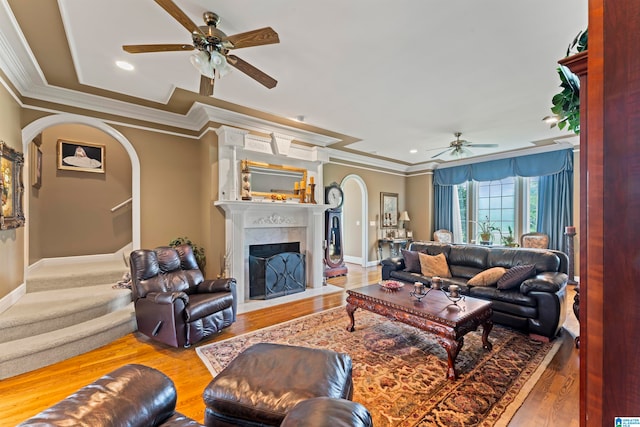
<point>355,233</point>
<point>38,126</point>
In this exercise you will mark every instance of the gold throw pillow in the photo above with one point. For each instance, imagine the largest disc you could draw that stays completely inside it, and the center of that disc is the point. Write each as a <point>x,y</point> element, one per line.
<point>487,277</point>
<point>434,265</point>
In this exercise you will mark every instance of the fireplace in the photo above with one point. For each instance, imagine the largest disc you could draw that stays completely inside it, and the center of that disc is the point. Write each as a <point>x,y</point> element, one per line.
<point>257,223</point>
<point>276,269</point>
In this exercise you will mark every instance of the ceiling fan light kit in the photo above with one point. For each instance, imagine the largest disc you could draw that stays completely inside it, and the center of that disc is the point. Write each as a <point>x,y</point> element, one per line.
<point>212,58</point>
<point>207,63</point>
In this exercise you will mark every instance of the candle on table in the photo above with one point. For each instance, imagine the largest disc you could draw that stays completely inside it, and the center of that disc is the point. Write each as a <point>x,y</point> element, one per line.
<point>453,291</point>
<point>570,229</point>
<point>418,287</point>
<point>303,184</point>
<point>296,185</point>
<point>436,282</point>
<point>312,180</point>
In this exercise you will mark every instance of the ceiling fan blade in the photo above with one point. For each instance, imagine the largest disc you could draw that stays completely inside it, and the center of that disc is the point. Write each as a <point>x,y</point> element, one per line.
<point>253,38</point>
<point>441,153</point>
<point>179,16</point>
<point>206,85</point>
<point>252,71</point>
<point>481,145</point>
<point>144,48</point>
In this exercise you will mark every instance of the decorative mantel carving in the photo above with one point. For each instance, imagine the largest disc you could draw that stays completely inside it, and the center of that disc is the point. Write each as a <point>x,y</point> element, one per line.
<point>274,219</point>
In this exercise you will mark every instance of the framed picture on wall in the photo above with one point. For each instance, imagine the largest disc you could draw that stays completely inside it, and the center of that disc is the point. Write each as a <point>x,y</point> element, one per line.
<point>80,156</point>
<point>11,187</point>
<point>36,166</point>
<point>389,210</point>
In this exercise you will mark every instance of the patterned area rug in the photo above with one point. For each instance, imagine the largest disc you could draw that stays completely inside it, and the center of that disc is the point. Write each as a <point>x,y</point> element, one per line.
<point>399,372</point>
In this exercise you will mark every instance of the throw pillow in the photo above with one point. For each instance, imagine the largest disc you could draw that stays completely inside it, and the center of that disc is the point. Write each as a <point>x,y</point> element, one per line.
<point>487,277</point>
<point>434,265</point>
<point>411,261</point>
<point>516,275</point>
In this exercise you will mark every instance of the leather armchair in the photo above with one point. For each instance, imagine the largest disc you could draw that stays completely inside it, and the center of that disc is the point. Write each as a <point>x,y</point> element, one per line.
<point>174,304</point>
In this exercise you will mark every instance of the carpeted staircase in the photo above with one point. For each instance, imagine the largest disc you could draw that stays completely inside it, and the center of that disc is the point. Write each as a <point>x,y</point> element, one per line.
<point>68,309</point>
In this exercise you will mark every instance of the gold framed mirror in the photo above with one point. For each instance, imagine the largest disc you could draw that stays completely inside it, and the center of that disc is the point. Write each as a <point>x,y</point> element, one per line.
<point>268,179</point>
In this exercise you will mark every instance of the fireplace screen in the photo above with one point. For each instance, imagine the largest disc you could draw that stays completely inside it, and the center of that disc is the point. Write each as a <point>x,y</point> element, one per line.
<point>276,270</point>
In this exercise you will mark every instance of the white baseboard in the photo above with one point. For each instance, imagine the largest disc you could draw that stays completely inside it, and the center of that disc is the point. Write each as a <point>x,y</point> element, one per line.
<point>12,297</point>
<point>353,260</point>
<point>120,255</point>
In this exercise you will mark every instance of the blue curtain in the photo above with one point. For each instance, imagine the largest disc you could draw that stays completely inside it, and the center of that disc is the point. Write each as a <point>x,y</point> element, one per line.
<point>555,188</point>
<point>443,206</point>
<point>532,165</point>
<point>555,207</point>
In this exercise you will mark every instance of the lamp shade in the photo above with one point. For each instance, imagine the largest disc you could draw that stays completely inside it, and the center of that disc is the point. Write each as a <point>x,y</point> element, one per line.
<point>404,216</point>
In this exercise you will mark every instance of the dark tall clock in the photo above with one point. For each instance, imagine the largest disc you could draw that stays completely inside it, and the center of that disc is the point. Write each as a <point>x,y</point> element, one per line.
<point>333,254</point>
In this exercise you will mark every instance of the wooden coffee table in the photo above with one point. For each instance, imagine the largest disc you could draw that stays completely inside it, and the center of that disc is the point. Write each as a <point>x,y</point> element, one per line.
<point>435,314</point>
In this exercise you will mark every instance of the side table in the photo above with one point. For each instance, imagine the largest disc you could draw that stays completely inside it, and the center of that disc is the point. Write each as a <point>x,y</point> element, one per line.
<point>394,246</point>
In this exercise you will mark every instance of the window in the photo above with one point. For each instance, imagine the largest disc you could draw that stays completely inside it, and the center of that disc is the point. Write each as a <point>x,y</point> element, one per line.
<point>508,203</point>
<point>533,205</point>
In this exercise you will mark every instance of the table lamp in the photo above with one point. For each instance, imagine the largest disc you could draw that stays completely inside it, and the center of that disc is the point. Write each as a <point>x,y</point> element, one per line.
<point>404,217</point>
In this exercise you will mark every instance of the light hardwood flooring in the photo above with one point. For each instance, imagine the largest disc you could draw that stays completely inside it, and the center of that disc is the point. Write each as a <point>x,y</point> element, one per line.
<point>553,402</point>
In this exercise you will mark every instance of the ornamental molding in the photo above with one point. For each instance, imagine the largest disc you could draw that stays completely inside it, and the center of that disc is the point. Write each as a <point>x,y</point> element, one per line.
<point>274,219</point>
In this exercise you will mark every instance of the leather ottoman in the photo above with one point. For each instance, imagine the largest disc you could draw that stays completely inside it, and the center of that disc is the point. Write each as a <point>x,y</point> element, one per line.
<point>328,412</point>
<point>264,382</point>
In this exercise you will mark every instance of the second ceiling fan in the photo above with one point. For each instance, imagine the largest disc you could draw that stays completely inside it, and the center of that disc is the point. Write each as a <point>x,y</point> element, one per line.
<point>459,147</point>
<point>213,59</point>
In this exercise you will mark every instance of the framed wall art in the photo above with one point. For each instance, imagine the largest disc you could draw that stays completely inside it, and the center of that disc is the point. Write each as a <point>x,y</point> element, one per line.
<point>389,210</point>
<point>11,187</point>
<point>36,166</point>
<point>80,156</point>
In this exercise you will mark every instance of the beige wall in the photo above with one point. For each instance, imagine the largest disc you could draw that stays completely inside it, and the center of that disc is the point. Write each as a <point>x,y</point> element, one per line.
<point>420,205</point>
<point>70,214</point>
<point>376,182</point>
<point>11,241</point>
<point>171,182</point>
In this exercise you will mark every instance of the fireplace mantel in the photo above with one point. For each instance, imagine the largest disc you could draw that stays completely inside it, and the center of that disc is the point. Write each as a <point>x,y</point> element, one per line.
<point>250,222</point>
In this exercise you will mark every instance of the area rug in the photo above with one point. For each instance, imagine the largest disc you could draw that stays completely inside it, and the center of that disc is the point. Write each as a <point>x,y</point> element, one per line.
<point>399,372</point>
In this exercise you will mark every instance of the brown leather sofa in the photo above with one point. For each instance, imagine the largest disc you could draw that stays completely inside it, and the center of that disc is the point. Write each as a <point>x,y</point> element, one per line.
<point>535,305</point>
<point>132,395</point>
<point>174,304</point>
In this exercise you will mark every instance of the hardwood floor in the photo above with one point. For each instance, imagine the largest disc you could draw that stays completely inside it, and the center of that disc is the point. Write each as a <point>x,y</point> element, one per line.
<point>554,401</point>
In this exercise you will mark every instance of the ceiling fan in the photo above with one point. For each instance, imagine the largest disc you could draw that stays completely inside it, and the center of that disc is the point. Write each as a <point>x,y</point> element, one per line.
<point>459,147</point>
<point>212,58</point>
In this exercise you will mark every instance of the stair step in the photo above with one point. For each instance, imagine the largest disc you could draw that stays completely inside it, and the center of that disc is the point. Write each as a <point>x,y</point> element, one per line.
<point>30,353</point>
<point>40,312</point>
<point>62,276</point>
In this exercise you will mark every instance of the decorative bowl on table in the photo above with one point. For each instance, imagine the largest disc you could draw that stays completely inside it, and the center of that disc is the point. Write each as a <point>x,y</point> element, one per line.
<point>391,285</point>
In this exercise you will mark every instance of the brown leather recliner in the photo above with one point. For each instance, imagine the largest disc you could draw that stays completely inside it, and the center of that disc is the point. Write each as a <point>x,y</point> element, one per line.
<point>174,303</point>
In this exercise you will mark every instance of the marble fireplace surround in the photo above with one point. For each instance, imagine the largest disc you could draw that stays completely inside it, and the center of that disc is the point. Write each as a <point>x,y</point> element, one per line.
<point>249,223</point>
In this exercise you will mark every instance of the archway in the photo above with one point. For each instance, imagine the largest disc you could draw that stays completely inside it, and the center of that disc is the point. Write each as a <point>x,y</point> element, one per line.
<point>36,127</point>
<point>360,192</point>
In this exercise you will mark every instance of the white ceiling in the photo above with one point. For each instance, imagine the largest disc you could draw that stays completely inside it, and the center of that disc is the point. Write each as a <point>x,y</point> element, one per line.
<point>397,75</point>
